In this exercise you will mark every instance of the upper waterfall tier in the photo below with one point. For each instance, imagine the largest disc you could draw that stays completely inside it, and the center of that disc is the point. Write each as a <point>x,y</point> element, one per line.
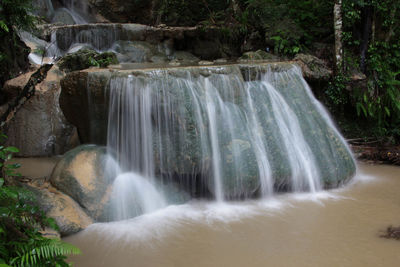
<point>235,130</point>
<point>122,38</point>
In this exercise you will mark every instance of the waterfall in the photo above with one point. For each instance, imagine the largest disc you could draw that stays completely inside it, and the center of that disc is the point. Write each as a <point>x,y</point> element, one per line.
<point>241,134</point>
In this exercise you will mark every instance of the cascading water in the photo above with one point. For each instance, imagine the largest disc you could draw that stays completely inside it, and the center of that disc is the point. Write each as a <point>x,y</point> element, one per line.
<point>78,10</point>
<point>231,132</point>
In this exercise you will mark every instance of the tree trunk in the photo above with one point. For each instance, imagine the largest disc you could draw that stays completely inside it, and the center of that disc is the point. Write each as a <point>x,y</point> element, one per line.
<point>338,24</point>
<point>391,27</point>
<point>366,21</point>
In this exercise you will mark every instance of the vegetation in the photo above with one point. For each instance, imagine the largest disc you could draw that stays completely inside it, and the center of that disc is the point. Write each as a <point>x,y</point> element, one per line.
<point>21,242</point>
<point>371,41</point>
<point>14,15</point>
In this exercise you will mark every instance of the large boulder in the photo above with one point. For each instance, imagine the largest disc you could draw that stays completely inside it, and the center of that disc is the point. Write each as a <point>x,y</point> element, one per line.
<point>81,175</point>
<point>39,128</point>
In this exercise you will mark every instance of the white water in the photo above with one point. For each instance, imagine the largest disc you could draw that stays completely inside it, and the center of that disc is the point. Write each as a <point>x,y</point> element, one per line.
<point>134,194</point>
<point>238,138</point>
<point>301,159</point>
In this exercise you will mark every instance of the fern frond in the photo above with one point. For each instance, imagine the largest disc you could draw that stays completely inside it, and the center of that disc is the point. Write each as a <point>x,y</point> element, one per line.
<point>42,251</point>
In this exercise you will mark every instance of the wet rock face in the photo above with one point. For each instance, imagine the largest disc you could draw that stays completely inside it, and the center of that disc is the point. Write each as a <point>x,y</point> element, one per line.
<point>85,107</point>
<point>39,128</point>
<point>80,175</point>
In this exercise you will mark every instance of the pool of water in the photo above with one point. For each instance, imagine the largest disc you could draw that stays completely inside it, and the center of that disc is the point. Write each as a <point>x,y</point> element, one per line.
<point>335,228</point>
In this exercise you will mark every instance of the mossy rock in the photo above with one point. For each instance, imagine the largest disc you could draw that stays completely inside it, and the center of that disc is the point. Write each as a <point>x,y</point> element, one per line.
<point>85,58</point>
<point>313,68</point>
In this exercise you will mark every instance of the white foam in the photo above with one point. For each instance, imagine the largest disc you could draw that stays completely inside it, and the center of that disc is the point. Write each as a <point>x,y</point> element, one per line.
<point>159,224</point>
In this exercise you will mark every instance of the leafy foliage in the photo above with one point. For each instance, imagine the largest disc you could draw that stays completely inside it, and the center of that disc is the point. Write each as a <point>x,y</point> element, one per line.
<point>21,243</point>
<point>372,26</point>
<point>16,13</point>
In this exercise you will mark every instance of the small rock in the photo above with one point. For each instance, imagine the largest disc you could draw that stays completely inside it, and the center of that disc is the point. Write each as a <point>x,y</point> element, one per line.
<point>175,63</point>
<point>258,55</point>
<point>312,67</point>
<point>220,61</point>
<point>204,62</point>
<point>185,56</point>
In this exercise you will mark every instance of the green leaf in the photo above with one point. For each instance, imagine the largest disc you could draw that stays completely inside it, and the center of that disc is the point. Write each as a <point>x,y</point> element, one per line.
<point>360,107</point>
<point>387,111</point>
<point>11,149</point>
<point>4,26</point>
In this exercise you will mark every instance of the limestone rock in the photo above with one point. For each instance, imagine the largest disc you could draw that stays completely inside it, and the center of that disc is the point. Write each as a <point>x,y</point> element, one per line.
<point>205,62</point>
<point>221,61</point>
<point>81,175</point>
<point>313,68</point>
<point>75,96</point>
<point>134,51</point>
<point>258,55</point>
<point>39,128</point>
<point>185,56</point>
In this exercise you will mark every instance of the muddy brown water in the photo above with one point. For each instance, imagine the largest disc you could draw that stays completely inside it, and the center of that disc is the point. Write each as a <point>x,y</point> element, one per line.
<point>337,228</point>
<point>36,168</point>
